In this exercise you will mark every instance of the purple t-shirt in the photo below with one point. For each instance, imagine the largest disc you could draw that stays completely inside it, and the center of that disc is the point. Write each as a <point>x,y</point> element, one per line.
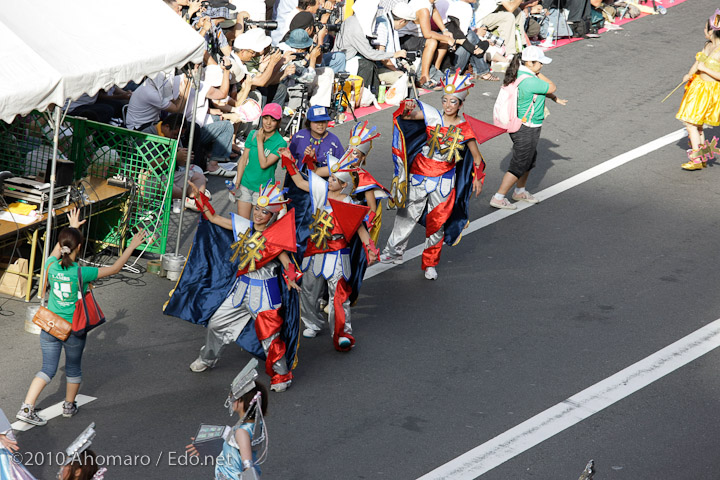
<point>330,144</point>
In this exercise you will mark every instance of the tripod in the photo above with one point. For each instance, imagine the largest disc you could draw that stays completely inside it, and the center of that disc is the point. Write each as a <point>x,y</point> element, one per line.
<point>340,96</point>
<point>556,33</point>
<point>295,122</point>
<point>406,67</point>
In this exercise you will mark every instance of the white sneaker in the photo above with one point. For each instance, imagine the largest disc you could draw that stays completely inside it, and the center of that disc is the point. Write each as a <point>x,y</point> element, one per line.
<point>525,197</point>
<point>504,203</point>
<point>431,273</point>
<point>198,365</point>
<point>344,342</point>
<point>310,333</point>
<point>387,258</point>
<point>280,387</point>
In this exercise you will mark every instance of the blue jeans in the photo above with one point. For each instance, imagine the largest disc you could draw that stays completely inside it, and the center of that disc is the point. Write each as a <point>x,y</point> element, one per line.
<point>219,133</point>
<point>462,57</point>
<point>51,348</point>
<point>334,60</point>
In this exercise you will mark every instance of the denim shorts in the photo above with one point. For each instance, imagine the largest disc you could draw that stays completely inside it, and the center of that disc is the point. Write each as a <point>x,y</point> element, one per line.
<point>51,348</point>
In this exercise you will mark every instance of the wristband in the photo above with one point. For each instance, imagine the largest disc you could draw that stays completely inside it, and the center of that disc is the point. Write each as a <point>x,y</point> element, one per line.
<point>309,160</point>
<point>289,163</point>
<point>202,201</point>
<point>479,172</point>
<point>291,274</point>
<point>370,247</point>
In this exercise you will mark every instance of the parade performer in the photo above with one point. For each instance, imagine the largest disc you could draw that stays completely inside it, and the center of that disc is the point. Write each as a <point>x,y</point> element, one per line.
<point>310,147</point>
<point>326,261</point>
<point>368,192</point>
<point>701,102</point>
<point>239,458</point>
<point>80,462</point>
<point>10,466</point>
<point>250,312</point>
<point>437,167</point>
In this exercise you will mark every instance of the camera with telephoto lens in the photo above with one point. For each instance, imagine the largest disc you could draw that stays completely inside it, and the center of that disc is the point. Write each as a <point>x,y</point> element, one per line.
<point>493,39</point>
<point>331,27</point>
<point>265,25</point>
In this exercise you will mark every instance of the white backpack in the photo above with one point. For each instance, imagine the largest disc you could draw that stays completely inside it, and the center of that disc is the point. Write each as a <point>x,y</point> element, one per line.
<point>505,109</point>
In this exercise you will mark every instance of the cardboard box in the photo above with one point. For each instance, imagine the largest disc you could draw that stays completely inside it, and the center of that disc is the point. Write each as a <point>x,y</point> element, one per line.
<point>10,282</point>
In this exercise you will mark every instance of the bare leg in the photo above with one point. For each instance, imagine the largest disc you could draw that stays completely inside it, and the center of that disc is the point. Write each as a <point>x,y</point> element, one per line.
<point>695,134</point>
<point>36,387</point>
<point>441,52</point>
<point>71,391</point>
<point>427,57</point>
<point>244,209</point>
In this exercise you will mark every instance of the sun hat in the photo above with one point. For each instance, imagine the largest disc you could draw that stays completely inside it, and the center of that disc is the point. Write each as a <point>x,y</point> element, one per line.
<point>404,11</point>
<point>254,39</point>
<point>535,54</point>
<point>299,38</point>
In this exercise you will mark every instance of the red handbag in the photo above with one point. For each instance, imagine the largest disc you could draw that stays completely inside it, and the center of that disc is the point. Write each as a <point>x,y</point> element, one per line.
<point>88,314</point>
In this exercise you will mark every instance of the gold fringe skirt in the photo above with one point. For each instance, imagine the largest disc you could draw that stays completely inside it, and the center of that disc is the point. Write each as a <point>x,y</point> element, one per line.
<point>701,102</point>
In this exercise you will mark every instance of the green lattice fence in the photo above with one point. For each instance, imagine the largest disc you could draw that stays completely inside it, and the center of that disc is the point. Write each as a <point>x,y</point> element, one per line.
<point>101,150</point>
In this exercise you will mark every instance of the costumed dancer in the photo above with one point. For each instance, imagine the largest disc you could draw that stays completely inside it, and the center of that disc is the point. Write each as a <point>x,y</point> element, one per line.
<point>701,102</point>
<point>335,221</point>
<point>437,167</point>
<point>250,313</point>
<point>10,466</point>
<point>240,458</point>
<point>80,461</point>
<point>369,191</point>
<point>310,147</point>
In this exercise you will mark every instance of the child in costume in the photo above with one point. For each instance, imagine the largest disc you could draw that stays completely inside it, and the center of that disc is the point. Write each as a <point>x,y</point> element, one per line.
<point>369,191</point>
<point>260,246</point>
<point>434,168</point>
<point>701,102</point>
<point>239,458</point>
<point>327,256</point>
<point>80,461</point>
<point>11,467</point>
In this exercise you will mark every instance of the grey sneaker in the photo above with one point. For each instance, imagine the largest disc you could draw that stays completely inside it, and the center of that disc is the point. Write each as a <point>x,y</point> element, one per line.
<point>503,204</point>
<point>387,258</point>
<point>280,387</point>
<point>69,409</point>
<point>28,414</point>
<point>310,333</point>
<point>525,197</point>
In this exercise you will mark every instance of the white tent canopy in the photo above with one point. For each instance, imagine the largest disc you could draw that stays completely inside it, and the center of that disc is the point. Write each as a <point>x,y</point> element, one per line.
<point>55,50</point>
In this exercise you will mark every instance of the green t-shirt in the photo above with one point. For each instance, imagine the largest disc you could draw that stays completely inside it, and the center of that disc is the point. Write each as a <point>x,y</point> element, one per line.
<point>63,286</point>
<point>254,175</point>
<point>527,89</point>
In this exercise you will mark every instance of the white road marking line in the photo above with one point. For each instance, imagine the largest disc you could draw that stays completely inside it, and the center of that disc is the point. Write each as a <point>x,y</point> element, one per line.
<point>52,412</point>
<point>551,191</point>
<point>580,406</point>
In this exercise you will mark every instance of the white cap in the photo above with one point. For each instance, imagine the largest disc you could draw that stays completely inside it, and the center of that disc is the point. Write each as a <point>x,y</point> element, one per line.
<point>213,75</point>
<point>254,39</point>
<point>535,54</point>
<point>404,11</point>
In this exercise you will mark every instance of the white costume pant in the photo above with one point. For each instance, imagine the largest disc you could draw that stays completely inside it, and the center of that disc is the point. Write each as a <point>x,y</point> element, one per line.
<point>316,275</point>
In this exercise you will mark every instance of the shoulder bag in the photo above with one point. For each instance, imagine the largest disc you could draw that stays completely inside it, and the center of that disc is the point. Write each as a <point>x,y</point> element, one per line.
<point>50,321</point>
<point>88,314</point>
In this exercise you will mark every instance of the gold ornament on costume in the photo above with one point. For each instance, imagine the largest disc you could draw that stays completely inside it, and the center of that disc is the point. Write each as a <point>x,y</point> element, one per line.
<point>321,228</point>
<point>248,247</point>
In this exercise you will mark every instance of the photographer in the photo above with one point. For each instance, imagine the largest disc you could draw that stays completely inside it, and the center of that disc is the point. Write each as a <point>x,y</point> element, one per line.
<point>304,54</point>
<point>388,40</point>
<point>352,40</point>
<point>468,46</point>
<point>263,71</point>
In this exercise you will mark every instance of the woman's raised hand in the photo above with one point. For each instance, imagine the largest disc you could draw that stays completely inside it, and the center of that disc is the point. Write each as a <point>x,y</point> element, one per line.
<point>74,218</point>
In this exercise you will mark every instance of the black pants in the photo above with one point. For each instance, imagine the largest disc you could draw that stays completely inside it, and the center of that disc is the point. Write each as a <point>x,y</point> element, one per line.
<point>578,10</point>
<point>369,73</point>
<point>524,150</point>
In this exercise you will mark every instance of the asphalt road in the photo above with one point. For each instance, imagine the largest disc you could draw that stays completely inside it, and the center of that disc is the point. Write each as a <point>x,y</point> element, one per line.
<point>527,312</point>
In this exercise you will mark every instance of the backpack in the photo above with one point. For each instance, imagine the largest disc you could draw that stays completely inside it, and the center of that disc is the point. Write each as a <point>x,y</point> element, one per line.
<point>505,109</point>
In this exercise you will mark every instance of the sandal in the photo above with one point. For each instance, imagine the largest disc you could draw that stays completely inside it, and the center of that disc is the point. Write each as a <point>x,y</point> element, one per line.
<point>488,77</point>
<point>431,85</point>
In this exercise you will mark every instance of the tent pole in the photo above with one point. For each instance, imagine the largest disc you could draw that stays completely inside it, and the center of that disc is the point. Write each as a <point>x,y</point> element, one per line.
<point>196,86</point>
<point>50,209</point>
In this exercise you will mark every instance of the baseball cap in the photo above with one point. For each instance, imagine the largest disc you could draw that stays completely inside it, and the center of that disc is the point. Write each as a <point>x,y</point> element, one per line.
<point>272,109</point>
<point>535,54</point>
<point>254,39</point>
<point>318,113</point>
<point>213,75</point>
<point>404,11</point>
<point>299,38</point>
